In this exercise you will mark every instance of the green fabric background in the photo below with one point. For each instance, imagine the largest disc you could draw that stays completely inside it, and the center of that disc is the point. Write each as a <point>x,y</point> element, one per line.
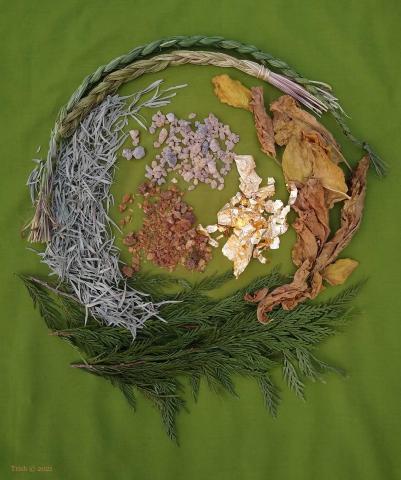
<point>79,425</point>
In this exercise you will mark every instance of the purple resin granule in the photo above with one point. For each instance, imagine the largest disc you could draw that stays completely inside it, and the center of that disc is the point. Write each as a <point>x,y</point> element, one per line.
<point>200,152</point>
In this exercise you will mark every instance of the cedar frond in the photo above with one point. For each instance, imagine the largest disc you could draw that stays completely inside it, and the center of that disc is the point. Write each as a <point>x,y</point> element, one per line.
<point>213,281</point>
<point>270,394</point>
<point>291,376</point>
<point>204,338</point>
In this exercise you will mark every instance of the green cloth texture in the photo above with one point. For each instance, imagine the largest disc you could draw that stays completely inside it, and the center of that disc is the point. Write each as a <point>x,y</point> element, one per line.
<point>79,425</point>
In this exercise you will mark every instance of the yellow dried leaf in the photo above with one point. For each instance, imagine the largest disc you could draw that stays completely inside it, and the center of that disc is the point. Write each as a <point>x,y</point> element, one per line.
<point>232,92</point>
<point>338,272</point>
<point>307,156</point>
<point>297,163</point>
<point>328,172</point>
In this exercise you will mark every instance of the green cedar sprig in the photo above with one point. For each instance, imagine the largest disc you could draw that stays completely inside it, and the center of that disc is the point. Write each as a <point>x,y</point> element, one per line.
<point>204,339</point>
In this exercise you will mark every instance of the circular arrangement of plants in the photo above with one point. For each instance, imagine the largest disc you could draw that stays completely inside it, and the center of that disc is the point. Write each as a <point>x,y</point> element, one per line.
<point>150,332</point>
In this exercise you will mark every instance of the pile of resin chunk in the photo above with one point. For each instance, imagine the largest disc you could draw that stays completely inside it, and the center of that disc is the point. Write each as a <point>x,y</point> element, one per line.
<point>168,236</point>
<point>200,152</point>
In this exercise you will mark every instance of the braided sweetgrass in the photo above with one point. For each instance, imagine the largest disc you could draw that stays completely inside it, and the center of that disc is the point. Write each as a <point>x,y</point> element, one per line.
<point>113,81</point>
<point>144,59</point>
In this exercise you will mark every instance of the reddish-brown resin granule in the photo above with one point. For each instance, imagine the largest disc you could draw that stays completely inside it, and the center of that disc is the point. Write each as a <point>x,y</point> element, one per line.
<point>168,236</point>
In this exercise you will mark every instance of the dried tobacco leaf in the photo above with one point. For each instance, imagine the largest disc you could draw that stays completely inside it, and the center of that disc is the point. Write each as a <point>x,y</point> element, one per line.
<point>296,162</point>
<point>330,174</point>
<point>288,295</point>
<point>307,156</point>
<point>338,272</point>
<point>351,215</point>
<point>312,223</point>
<point>308,280</point>
<point>232,92</point>
<point>290,120</point>
<point>263,122</point>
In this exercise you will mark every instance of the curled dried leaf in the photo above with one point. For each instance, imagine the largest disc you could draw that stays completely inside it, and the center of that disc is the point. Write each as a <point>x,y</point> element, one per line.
<point>312,223</point>
<point>311,256</point>
<point>258,296</point>
<point>338,272</point>
<point>288,295</point>
<point>351,216</point>
<point>231,92</point>
<point>263,122</point>
<point>290,120</point>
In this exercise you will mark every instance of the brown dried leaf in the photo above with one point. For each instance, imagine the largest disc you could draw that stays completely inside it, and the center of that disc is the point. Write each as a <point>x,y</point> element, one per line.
<point>257,296</point>
<point>338,272</point>
<point>351,215</point>
<point>263,122</point>
<point>289,119</point>
<point>288,295</point>
<point>231,92</point>
<point>312,223</point>
<point>308,278</point>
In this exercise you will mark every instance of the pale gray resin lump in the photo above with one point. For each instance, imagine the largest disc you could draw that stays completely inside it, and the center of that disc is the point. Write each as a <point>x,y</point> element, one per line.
<point>200,152</point>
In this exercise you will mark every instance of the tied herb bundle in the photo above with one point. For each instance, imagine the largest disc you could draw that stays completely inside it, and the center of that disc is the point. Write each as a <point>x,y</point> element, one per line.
<point>204,339</point>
